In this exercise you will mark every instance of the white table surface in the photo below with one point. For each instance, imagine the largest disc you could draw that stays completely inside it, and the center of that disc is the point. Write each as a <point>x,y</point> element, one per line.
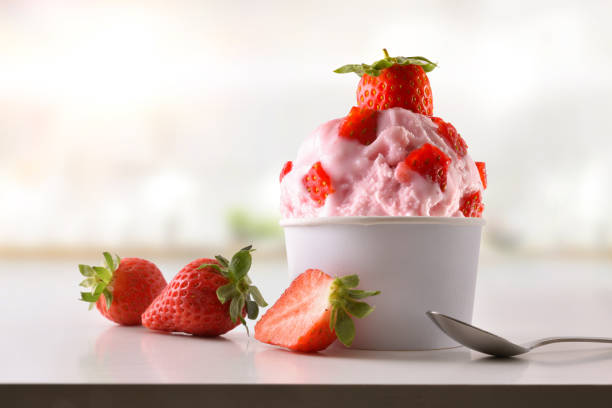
<point>48,337</point>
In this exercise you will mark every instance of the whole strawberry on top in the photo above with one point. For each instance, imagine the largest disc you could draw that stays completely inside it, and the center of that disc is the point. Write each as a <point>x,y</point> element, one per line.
<point>123,288</point>
<point>314,311</point>
<point>394,82</point>
<point>208,297</point>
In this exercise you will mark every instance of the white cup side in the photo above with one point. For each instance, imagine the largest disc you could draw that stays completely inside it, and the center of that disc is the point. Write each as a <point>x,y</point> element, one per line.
<point>417,266</point>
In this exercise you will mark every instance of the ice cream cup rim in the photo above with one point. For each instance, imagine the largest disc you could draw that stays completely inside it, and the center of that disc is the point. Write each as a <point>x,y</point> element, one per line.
<point>376,220</point>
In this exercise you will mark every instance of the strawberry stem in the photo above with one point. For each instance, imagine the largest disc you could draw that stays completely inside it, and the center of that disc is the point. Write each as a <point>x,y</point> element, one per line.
<point>98,279</point>
<point>377,67</point>
<point>239,290</point>
<point>344,302</point>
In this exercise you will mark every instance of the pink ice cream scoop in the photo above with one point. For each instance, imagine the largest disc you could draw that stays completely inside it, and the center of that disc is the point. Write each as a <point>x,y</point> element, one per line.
<point>377,179</point>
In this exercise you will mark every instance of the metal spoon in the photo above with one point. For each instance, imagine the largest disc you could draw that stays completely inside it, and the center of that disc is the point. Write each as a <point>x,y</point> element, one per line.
<point>488,343</point>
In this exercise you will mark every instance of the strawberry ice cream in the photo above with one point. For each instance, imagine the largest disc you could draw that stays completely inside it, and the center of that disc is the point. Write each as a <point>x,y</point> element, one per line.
<point>390,176</point>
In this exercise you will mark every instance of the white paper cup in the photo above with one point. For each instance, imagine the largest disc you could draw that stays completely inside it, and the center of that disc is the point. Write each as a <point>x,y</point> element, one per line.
<point>418,264</point>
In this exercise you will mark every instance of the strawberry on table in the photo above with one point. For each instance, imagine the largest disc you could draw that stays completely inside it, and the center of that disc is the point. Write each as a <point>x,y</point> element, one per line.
<point>318,184</point>
<point>360,124</point>
<point>394,82</point>
<point>314,311</point>
<point>208,297</point>
<point>123,288</point>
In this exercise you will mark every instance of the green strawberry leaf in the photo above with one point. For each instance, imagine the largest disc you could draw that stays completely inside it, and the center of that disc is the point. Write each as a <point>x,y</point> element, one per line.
<point>252,309</point>
<point>108,296</point>
<point>110,262</point>
<point>254,291</point>
<point>117,261</point>
<point>426,64</point>
<point>350,281</point>
<point>103,274</point>
<point>216,267</point>
<point>240,264</point>
<point>345,328</point>
<point>86,270</point>
<point>236,307</point>
<point>98,289</point>
<point>226,292</point>
<point>343,306</point>
<point>222,260</point>
<point>381,64</point>
<point>377,67</point>
<point>358,309</point>
<point>88,297</point>
<point>361,294</point>
<point>345,69</point>
<point>88,282</point>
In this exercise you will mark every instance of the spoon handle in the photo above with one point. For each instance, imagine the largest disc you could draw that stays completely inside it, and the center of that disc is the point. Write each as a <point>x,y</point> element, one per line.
<point>550,340</point>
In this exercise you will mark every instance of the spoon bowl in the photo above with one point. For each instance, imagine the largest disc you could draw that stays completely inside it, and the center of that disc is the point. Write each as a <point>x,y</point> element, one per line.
<point>488,343</point>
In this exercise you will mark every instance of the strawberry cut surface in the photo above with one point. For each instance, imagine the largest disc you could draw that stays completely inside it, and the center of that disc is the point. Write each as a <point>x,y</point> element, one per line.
<point>318,184</point>
<point>451,136</point>
<point>482,170</point>
<point>299,320</point>
<point>360,124</point>
<point>471,205</point>
<point>430,162</point>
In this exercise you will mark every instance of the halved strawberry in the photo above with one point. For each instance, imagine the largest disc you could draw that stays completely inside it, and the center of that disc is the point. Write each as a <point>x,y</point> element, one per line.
<point>482,170</point>
<point>452,137</point>
<point>360,124</point>
<point>286,169</point>
<point>471,205</point>
<point>430,162</point>
<point>314,311</point>
<point>318,184</point>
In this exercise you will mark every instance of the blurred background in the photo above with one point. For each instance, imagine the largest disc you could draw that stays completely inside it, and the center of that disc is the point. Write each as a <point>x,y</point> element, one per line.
<point>161,127</point>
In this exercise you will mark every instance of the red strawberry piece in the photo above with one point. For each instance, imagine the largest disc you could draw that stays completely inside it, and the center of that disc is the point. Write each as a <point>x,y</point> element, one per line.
<point>430,162</point>
<point>318,184</point>
<point>286,169</point>
<point>123,288</point>
<point>451,136</point>
<point>394,82</point>
<point>208,297</point>
<point>314,311</point>
<point>471,205</point>
<point>360,125</point>
<point>482,170</point>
